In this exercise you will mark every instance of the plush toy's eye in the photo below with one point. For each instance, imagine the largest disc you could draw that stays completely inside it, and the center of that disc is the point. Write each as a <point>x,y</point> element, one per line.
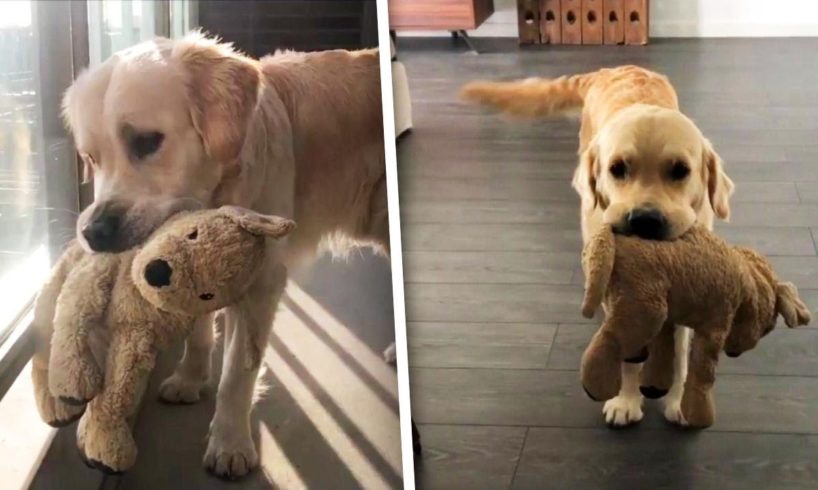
<point>193,235</point>
<point>206,296</point>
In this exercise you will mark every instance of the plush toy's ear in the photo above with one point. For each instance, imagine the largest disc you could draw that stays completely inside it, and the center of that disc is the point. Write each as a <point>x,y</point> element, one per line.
<point>790,306</point>
<point>259,224</point>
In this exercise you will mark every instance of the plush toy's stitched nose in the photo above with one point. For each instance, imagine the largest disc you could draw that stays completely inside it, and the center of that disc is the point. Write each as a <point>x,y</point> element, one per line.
<point>157,273</point>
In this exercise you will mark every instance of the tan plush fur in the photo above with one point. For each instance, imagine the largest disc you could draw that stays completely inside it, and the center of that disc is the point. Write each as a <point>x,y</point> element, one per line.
<point>729,296</point>
<point>102,318</point>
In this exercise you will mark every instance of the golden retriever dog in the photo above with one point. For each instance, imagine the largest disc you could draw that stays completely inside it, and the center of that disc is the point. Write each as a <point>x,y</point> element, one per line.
<point>297,135</point>
<point>644,168</point>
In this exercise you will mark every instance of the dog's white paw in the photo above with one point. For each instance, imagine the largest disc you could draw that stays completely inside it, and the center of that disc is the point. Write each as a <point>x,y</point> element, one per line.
<point>672,403</point>
<point>178,388</point>
<point>622,411</point>
<point>229,455</point>
<point>390,355</point>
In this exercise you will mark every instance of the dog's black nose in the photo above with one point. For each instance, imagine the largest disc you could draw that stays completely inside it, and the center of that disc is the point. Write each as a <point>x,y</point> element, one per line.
<point>157,273</point>
<point>647,223</point>
<point>101,232</point>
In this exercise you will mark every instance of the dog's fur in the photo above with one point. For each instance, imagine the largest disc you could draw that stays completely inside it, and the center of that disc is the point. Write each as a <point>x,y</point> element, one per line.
<point>293,134</point>
<point>631,117</point>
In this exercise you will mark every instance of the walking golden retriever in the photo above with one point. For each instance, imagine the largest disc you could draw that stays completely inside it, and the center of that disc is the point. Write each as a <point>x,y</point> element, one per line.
<point>644,168</point>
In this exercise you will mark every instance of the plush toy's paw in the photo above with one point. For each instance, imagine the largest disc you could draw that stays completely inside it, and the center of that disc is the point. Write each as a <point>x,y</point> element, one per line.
<point>57,413</point>
<point>77,384</point>
<point>53,411</point>
<point>229,455</point>
<point>622,411</point>
<point>697,409</point>
<point>652,392</point>
<point>181,389</point>
<point>109,448</point>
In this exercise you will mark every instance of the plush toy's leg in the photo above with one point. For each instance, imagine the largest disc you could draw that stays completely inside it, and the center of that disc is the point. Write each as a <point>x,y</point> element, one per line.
<point>698,408</point>
<point>74,375</point>
<point>104,436</point>
<point>191,375</point>
<point>636,327</point>
<point>657,372</point>
<point>52,410</point>
<point>231,452</point>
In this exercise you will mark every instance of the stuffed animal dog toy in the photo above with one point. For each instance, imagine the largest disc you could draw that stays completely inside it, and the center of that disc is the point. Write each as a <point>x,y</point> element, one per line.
<point>729,296</point>
<point>102,318</point>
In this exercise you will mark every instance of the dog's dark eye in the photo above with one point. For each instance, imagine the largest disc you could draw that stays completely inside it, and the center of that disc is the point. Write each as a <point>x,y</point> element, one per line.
<point>679,171</point>
<point>193,235</point>
<point>206,296</point>
<point>619,169</point>
<point>145,144</point>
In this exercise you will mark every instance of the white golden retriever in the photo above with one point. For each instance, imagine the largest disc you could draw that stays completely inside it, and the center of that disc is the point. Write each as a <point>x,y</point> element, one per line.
<point>644,168</point>
<point>293,134</point>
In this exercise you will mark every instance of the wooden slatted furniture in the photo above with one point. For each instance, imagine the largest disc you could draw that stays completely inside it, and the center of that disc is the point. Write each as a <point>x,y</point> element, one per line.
<point>583,21</point>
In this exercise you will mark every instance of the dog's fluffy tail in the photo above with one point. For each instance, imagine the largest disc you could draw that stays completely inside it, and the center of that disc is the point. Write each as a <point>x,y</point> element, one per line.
<point>533,97</point>
<point>598,262</point>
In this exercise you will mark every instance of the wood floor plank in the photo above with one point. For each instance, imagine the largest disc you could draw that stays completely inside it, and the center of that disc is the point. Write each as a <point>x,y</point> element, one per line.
<point>599,458</point>
<point>528,189</point>
<point>479,345</point>
<point>556,399</point>
<point>499,237</point>
<point>770,241</point>
<point>744,214</point>
<point>475,458</point>
<point>505,303</point>
<point>490,267</point>
<point>562,214</point>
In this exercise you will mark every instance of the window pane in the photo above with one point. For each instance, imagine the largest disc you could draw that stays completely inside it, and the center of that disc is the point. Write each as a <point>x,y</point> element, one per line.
<point>37,206</point>
<point>117,24</point>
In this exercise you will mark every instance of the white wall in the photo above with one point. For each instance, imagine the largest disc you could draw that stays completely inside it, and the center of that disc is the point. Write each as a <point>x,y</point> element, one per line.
<point>691,18</point>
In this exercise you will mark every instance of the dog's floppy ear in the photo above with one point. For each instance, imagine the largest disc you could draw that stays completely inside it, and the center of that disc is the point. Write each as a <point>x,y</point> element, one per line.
<point>259,224</point>
<point>719,185</point>
<point>223,88</point>
<point>585,175</point>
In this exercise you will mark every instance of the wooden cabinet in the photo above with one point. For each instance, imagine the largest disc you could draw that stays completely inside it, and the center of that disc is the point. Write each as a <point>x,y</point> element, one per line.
<point>449,15</point>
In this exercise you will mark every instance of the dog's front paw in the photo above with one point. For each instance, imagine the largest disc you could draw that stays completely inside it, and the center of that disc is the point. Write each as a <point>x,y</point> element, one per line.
<point>622,411</point>
<point>229,454</point>
<point>672,404</point>
<point>108,447</point>
<point>390,354</point>
<point>181,389</point>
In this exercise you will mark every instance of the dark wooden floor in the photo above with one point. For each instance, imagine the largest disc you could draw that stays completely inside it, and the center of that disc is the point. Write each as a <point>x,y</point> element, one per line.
<point>491,257</point>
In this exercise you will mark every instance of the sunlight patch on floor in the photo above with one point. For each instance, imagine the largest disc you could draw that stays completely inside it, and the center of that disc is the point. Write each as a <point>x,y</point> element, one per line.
<point>350,396</point>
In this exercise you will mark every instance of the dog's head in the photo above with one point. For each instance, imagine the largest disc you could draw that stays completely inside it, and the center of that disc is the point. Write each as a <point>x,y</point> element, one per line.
<point>202,261</point>
<point>652,172</point>
<point>162,120</point>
